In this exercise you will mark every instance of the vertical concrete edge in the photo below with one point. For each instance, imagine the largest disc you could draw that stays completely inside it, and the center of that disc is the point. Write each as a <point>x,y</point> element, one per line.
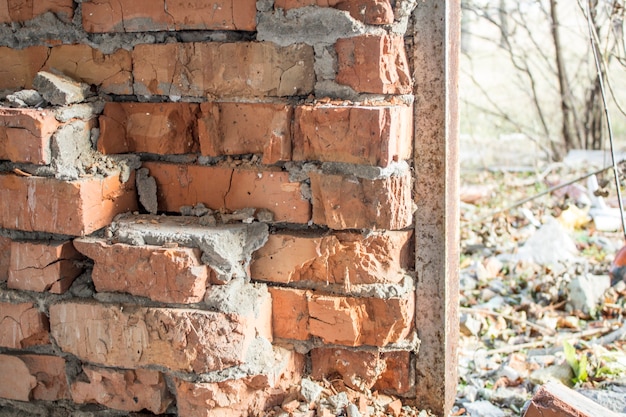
<point>435,52</point>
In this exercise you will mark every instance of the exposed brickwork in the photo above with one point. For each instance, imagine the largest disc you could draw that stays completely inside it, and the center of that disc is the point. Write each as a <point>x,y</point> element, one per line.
<point>170,275</point>
<point>43,266</point>
<point>159,128</point>
<point>22,325</point>
<point>21,11</point>
<point>5,257</point>
<point>72,208</point>
<point>372,12</point>
<point>229,189</point>
<point>140,16</point>
<point>25,135</point>
<point>50,375</point>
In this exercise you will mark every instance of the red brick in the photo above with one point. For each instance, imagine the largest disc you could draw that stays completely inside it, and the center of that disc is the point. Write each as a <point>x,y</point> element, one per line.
<point>25,135</point>
<point>22,382</point>
<point>372,135</point>
<point>557,400</point>
<point>111,73</point>
<point>22,326</point>
<point>341,258</point>
<point>21,11</point>
<point>290,313</point>
<point>360,321</point>
<point>397,378</point>
<point>49,372</point>
<point>43,266</point>
<point>240,397</point>
<point>373,64</point>
<point>159,128</point>
<point>244,128</point>
<point>25,63</point>
<point>143,16</point>
<point>5,257</point>
<point>221,187</point>
<point>66,207</point>
<point>343,202</point>
<point>170,275</point>
<point>223,69</point>
<point>128,336</point>
<point>371,12</point>
<point>359,369</point>
<point>127,390</point>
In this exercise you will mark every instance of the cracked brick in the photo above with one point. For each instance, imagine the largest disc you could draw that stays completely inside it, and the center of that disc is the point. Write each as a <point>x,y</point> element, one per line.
<point>25,135</point>
<point>22,325</point>
<point>21,11</point>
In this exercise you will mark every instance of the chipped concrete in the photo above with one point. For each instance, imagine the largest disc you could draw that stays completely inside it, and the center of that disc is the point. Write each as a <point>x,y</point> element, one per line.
<point>147,190</point>
<point>60,90</point>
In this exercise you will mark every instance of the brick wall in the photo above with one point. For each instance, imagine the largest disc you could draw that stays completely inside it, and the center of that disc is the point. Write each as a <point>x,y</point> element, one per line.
<point>203,202</point>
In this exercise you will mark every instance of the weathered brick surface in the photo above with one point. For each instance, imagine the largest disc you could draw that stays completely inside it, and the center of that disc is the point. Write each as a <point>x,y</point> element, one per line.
<point>25,135</point>
<point>43,266</point>
<point>20,11</point>
<point>220,187</point>
<point>300,314</point>
<point>557,400</point>
<point>159,128</point>
<point>128,336</point>
<point>223,69</point>
<point>373,135</point>
<point>51,379</point>
<point>398,376</point>
<point>341,258</point>
<point>25,63</point>
<point>127,390</point>
<point>372,12</point>
<point>5,257</point>
<point>373,64</point>
<point>22,382</point>
<point>244,128</point>
<point>22,325</point>
<point>142,15</point>
<point>65,207</point>
<point>342,202</point>
<point>171,275</point>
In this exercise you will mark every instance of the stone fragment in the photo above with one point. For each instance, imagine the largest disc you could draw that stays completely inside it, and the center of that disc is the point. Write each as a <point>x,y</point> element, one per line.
<point>147,191</point>
<point>126,390</point>
<point>169,275</point>
<point>60,90</point>
<point>25,98</point>
<point>310,391</point>
<point>43,266</point>
<point>128,336</point>
<point>586,292</point>
<point>561,373</point>
<point>556,400</point>
<point>22,326</point>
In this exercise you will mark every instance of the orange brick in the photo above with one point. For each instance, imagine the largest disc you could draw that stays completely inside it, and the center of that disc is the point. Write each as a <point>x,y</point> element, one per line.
<point>126,390</point>
<point>223,69</point>
<point>397,377</point>
<point>49,372</point>
<point>371,12</point>
<point>373,135</point>
<point>143,16</point>
<point>5,257</point>
<point>22,382</point>
<point>557,400</point>
<point>170,275</point>
<point>290,313</point>
<point>343,202</point>
<point>341,258</point>
<point>360,321</point>
<point>25,63</point>
<point>129,336</point>
<point>43,266</point>
<point>21,11</point>
<point>111,73</point>
<point>244,128</point>
<point>66,207</point>
<point>22,325</point>
<point>159,128</point>
<point>25,135</point>
<point>373,64</point>
<point>220,187</point>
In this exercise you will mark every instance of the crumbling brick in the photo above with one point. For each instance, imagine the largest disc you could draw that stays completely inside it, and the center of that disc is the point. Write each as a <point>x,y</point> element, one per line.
<point>158,128</point>
<point>225,188</point>
<point>126,390</point>
<point>345,202</point>
<point>65,207</point>
<point>129,336</point>
<point>50,375</point>
<point>25,135</point>
<point>43,266</point>
<point>373,135</point>
<point>22,382</point>
<point>374,64</point>
<point>141,15</point>
<point>223,69</point>
<point>170,275</point>
<point>22,326</point>
<point>244,128</point>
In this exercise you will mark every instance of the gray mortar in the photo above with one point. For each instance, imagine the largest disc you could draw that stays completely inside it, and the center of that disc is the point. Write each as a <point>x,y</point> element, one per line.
<point>238,297</point>
<point>402,15</point>
<point>366,172</point>
<point>71,150</point>
<point>147,190</point>
<point>83,111</point>
<point>227,249</point>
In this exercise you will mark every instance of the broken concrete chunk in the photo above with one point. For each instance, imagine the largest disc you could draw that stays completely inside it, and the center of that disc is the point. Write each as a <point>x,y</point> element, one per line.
<point>586,291</point>
<point>147,190</point>
<point>25,98</point>
<point>60,90</point>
